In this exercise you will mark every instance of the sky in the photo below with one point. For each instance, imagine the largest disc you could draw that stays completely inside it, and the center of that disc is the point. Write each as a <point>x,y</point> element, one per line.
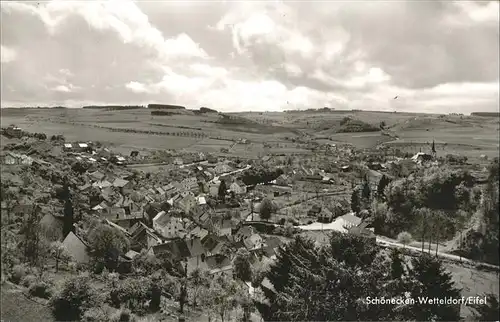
<point>435,56</point>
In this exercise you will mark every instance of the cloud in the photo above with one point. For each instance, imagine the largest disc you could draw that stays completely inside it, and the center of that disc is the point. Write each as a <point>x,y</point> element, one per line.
<point>8,54</point>
<point>232,56</point>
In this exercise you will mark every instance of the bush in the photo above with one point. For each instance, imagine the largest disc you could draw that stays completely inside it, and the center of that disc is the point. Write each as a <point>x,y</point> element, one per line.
<point>134,293</point>
<point>41,288</point>
<point>73,299</point>
<point>18,273</point>
<point>123,315</point>
<point>28,280</point>
<point>97,314</point>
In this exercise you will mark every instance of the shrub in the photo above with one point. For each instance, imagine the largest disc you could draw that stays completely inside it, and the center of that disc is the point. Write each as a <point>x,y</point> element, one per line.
<point>134,293</point>
<point>18,272</point>
<point>75,297</point>
<point>123,315</point>
<point>97,314</point>
<point>28,280</point>
<point>41,288</point>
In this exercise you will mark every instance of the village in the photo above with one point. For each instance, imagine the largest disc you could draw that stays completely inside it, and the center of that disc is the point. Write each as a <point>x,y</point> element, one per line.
<point>201,210</point>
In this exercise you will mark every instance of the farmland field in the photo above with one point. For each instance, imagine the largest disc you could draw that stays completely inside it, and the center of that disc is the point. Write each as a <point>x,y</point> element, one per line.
<point>128,129</point>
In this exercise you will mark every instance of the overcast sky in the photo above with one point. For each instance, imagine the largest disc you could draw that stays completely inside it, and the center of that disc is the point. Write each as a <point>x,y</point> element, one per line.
<point>436,56</point>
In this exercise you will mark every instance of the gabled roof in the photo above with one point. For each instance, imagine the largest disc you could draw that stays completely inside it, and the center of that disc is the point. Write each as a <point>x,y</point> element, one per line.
<point>115,213</point>
<point>131,254</point>
<point>161,219</point>
<point>97,175</point>
<point>351,219</point>
<point>76,248</point>
<point>218,263</point>
<point>120,183</point>
<point>195,247</point>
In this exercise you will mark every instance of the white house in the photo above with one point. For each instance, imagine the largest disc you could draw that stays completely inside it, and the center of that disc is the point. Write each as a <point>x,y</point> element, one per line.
<point>168,226</point>
<point>213,188</point>
<point>188,202</point>
<point>222,168</point>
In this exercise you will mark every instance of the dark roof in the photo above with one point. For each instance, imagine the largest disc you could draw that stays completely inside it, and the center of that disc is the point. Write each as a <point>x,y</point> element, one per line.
<point>210,243</point>
<point>195,247</point>
<point>218,262</point>
<point>245,231</point>
<point>177,248</point>
<point>273,242</point>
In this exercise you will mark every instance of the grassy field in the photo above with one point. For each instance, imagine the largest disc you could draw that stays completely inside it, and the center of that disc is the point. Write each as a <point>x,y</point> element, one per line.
<point>467,135</point>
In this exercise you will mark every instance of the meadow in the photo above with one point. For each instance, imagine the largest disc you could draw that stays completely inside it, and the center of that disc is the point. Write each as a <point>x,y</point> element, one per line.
<point>472,136</point>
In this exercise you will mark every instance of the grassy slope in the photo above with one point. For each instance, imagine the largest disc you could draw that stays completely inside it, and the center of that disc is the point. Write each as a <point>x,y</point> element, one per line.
<point>17,307</point>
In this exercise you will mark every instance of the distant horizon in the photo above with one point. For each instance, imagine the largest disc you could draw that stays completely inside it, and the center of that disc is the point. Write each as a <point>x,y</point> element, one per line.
<point>145,106</point>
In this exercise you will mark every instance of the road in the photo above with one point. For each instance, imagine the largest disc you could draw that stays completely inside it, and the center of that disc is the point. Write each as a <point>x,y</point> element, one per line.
<point>393,244</point>
<point>216,178</point>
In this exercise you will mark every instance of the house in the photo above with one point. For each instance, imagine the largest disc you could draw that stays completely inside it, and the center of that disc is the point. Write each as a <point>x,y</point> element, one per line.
<point>254,242</point>
<point>196,251</point>
<point>68,147</point>
<point>177,249</point>
<point>198,232</point>
<point>212,245</point>
<point>14,131</point>
<point>345,168</point>
<point>169,226</point>
<point>141,236</point>
<point>237,189</point>
<point>123,185</point>
<point>421,157</point>
<point>102,184</point>
<point>76,248</point>
<point>134,154</point>
<point>363,230</point>
<point>325,215</point>
<point>14,159</point>
<point>189,183</point>
<point>224,227</point>
<point>188,203</point>
<point>115,213</point>
<point>202,200</point>
<point>131,254</point>
<point>222,168</point>
<point>348,220</point>
<point>169,189</point>
<point>160,191</point>
<point>178,161</point>
<point>243,233</point>
<point>213,188</point>
<point>219,265</point>
<point>283,180</point>
<point>83,147</point>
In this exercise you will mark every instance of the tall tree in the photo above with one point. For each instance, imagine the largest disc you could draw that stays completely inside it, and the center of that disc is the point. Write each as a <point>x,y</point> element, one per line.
<point>242,268</point>
<point>311,283</point>
<point>107,244</point>
<point>355,202</point>
<point>222,190</point>
<point>266,209</point>
<point>433,281</point>
<point>384,181</point>
<point>68,210</point>
<point>31,241</point>
<point>488,311</point>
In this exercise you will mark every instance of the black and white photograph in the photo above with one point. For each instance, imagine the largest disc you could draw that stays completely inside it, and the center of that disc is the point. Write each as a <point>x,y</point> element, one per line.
<point>253,161</point>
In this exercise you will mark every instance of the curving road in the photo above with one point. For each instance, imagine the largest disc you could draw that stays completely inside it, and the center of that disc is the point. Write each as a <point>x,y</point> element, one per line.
<point>393,244</point>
